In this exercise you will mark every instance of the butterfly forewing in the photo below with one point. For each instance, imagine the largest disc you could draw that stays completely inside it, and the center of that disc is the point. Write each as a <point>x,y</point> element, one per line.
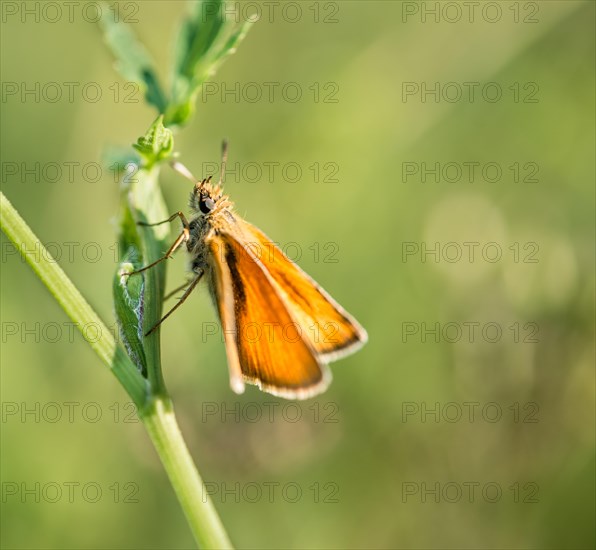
<point>263,339</point>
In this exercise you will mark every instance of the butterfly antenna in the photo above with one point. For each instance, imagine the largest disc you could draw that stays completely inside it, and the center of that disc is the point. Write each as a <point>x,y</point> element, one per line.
<point>224,160</point>
<point>184,171</point>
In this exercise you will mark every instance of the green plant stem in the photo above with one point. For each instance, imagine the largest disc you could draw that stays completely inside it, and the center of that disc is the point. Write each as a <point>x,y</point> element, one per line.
<point>156,413</point>
<point>72,302</point>
<point>160,421</point>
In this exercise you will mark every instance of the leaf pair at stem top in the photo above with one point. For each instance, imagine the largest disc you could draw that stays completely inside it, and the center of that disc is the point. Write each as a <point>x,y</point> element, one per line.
<point>207,36</point>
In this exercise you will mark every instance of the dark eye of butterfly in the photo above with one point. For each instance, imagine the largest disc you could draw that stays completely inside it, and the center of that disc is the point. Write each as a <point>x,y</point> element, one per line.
<point>206,204</point>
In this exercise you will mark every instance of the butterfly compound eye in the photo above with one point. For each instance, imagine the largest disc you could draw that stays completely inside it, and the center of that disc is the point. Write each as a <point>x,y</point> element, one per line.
<point>206,204</point>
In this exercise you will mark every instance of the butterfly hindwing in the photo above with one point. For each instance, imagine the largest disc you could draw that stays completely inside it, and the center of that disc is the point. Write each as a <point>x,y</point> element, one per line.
<point>332,332</point>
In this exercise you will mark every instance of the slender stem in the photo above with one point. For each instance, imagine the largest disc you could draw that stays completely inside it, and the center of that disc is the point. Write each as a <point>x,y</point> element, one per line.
<point>72,302</point>
<point>160,422</point>
<point>155,411</point>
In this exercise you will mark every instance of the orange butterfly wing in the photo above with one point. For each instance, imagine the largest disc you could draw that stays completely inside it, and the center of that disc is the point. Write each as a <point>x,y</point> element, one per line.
<point>332,332</point>
<point>264,343</point>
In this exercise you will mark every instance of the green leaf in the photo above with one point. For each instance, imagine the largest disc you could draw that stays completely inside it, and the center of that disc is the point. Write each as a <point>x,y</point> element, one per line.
<point>138,298</point>
<point>129,291</point>
<point>132,60</point>
<point>157,144</point>
<point>128,305</point>
<point>143,202</point>
<point>207,37</point>
<point>147,205</point>
<point>197,35</point>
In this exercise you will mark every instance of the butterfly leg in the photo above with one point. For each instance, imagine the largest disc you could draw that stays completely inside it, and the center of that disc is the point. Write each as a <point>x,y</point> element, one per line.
<point>183,237</point>
<point>186,294</point>
<point>171,293</point>
<point>170,219</point>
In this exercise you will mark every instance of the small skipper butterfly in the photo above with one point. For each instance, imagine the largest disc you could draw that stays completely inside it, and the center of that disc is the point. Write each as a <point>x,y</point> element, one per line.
<point>280,327</point>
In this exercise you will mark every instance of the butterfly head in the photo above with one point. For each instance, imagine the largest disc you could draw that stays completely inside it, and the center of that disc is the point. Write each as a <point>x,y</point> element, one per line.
<point>207,198</point>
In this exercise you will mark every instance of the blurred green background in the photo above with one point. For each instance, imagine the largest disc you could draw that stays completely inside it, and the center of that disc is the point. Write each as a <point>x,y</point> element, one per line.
<point>368,464</point>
